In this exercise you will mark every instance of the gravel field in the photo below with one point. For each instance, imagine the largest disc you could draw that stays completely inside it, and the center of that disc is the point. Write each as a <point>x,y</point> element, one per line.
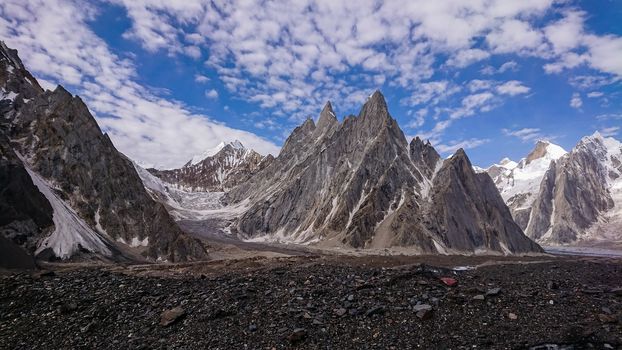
<point>318,302</point>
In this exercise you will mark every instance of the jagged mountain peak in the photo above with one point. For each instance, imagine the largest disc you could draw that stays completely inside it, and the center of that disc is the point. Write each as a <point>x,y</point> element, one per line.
<point>326,122</point>
<point>11,55</point>
<point>375,107</point>
<point>505,161</point>
<point>210,152</point>
<point>545,149</point>
<point>598,138</point>
<point>365,186</point>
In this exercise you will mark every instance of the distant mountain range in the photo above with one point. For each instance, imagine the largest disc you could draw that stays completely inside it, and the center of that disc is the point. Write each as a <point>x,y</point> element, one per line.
<point>215,170</point>
<point>359,184</point>
<point>560,197</point>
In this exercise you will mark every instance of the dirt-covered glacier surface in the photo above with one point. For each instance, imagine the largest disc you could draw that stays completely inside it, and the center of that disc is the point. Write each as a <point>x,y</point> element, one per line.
<point>319,303</point>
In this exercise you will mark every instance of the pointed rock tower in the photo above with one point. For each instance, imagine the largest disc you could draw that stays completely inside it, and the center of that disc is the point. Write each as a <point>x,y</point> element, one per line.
<point>360,184</point>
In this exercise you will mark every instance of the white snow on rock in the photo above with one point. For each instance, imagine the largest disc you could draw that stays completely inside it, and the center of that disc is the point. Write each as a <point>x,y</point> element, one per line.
<point>181,204</point>
<point>525,176</point>
<point>71,233</point>
<point>207,153</point>
<point>607,228</point>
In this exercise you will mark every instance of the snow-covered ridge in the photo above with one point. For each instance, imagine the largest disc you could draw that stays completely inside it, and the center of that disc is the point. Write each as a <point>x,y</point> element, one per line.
<point>524,177</point>
<point>212,151</point>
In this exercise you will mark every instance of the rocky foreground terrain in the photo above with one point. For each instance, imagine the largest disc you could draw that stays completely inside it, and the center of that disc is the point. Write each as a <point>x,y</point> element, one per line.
<point>319,303</point>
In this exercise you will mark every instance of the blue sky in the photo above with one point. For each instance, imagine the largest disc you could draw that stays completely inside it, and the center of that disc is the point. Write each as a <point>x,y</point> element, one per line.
<point>167,79</point>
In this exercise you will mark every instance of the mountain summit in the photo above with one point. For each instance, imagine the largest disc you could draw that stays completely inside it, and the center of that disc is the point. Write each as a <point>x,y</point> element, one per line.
<point>561,197</point>
<point>219,168</point>
<point>359,183</point>
<point>79,197</point>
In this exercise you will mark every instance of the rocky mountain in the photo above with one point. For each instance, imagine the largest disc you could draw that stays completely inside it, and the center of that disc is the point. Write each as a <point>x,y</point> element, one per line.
<point>519,183</point>
<point>215,170</point>
<point>359,183</point>
<point>578,198</point>
<point>66,190</point>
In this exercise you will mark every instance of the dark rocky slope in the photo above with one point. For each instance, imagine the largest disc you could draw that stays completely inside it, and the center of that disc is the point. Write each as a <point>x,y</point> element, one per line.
<point>95,185</point>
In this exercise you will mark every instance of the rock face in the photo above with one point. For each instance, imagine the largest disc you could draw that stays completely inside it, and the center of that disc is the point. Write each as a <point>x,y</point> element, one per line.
<point>359,183</point>
<point>25,213</point>
<point>578,197</point>
<point>97,199</point>
<point>581,195</point>
<point>221,169</point>
<point>519,183</point>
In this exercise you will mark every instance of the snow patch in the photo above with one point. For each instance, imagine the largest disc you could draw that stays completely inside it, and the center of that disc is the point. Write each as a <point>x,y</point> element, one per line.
<point>71,233</point>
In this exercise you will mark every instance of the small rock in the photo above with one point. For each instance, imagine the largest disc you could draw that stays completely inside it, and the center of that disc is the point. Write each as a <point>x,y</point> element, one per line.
<point>552,285</point>
<point>376,310</point>
<point>169,317</point>
<point>67,308</point>
<point>422,307</point>
<point>479,297</point>
<point>424,314</point>
<point>606,310</point>
<point>607,318</point>
<point>493,291</point>
<point>449,281</point>
<point>252,328</point>
<point>551,302</point>
<point>297,335</point>
<point>340,312</point>
<point>512,316</point>
<point>47,273</point>
<point>350,298</point>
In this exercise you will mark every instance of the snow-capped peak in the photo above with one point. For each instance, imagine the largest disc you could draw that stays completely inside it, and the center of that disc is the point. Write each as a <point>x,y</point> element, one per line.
<point>212,151</point>
<point>546,151</point>
<point>237,144</point>
<point>507,163</point>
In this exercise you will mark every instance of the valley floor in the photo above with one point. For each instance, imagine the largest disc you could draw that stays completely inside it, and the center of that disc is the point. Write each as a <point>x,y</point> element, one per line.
<point>319,302</point>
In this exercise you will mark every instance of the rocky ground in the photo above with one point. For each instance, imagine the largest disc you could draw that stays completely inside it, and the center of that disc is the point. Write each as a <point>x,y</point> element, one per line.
<point>319,303</point>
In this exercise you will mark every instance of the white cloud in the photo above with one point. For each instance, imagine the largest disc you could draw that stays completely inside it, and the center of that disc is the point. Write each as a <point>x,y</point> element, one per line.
<point>525,134</point>
<point>431,92</point>
<point>258,51</point>
<point>201,79</point>
<point>566,33</point>
<point>419,118</point>
<point>453,146</point>
<point>507,66</point>
<point>467,57</point>
<point>514,36</point>
<point>609,116</point>
<point>55,43</point>
<point>576,101</point>
<point>512,88</point>
<point>611,131</point>
<point>595,94</point>
<point>477,85</point>
<point>292,56</point>
<point>574,47</point>
<point>211,94</point>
